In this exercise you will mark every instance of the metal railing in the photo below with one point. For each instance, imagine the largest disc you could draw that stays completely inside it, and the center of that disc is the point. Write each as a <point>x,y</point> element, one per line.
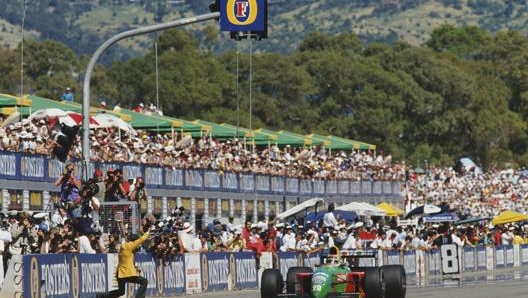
<point>23,167</point>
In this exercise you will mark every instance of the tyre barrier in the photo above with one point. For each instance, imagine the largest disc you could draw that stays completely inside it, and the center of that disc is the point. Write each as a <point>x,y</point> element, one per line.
<point>84,275</point>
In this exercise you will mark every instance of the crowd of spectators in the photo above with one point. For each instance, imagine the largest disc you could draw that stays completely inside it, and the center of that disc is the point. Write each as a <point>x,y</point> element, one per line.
<point>180,151</point>
<point>473,193</point>
<point>469,192</point>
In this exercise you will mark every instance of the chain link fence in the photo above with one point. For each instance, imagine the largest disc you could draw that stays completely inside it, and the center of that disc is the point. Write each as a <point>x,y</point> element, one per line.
<point>111,213</point>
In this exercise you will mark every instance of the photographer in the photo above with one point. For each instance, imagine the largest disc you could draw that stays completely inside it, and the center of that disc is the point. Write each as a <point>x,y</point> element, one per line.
<point>99,180</point>
<point>24,237</point>
<point>138,193</point>
<point>117,188</point>
<point>66,244</point>
<point>69,186</point>
<point>88,205</point>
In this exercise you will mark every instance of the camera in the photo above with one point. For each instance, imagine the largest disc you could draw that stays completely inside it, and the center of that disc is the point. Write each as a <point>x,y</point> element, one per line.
<point>90,188</point>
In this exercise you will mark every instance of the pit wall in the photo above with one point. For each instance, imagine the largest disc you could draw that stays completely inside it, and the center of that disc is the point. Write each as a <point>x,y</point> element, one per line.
<point>84,275</point>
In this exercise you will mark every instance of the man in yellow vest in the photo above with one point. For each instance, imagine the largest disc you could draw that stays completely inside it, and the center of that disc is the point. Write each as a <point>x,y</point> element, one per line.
<point>126,268</point>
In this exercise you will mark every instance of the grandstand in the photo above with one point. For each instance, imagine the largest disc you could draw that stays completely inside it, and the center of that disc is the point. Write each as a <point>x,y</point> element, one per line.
<point>249,174</point>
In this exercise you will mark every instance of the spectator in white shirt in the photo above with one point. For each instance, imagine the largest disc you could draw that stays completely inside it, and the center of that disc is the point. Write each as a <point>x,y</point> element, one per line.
<point>187,239</point>
<point>350,242</point>
<point>59,217</point>
<point>85,242</point>
<point>456,239</point>
<point>506,237</point>
<point>288,240</point>
<point>329,219</point>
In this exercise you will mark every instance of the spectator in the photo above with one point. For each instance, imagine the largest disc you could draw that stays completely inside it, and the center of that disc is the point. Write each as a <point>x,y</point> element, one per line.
<point>59,217</point>
<point>407,245</point>
<point>517,238</point>
<point>272,232</point>
<point>329,220</point>
<point>218,236</point>
<point>288,240</point>
<point>139,108</point>
<point>205,240</point>
<point>231,224</point>
<point>246,231</point>
<point>379,241</point>
<point>67,95</point>
<point>43,238</point>
<point>103,243</point>
<point>236,242</point>
<point>506,236</point>
<point>256,243</point>
<point>113,244</point>
<point>351,241</point>
<point>187,239</point>
<point>86,241</point>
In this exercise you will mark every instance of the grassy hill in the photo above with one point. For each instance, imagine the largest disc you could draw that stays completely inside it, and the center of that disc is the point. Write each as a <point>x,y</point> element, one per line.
<point>289,21</point>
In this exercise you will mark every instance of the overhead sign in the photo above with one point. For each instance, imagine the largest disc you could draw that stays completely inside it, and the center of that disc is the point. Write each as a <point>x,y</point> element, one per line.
<point>243,15</point>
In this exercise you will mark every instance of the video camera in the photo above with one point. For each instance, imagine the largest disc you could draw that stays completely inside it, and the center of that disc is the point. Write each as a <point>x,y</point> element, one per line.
<point>88,190</point>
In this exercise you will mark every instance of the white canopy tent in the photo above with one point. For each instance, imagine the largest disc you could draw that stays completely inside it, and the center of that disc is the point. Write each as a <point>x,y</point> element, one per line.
<point>301,207</point>
<point>363,209</point>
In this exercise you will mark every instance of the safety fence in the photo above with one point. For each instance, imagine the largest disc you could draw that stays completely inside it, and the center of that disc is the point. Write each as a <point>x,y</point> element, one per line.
<point>38,168</point>
<point>83,275</point>
<point>111,214</point>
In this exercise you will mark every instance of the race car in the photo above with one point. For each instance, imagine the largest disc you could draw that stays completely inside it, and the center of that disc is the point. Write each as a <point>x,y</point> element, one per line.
<point>337,276</point>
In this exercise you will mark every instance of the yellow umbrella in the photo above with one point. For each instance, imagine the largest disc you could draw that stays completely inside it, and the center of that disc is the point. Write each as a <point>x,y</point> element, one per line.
<point>508,216</point>
<point>391,210</point>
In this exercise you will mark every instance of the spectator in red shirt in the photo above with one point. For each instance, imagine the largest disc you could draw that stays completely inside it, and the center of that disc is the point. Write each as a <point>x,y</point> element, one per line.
<point>246,231</point>
<point>270,243</point>
<point>498,237</point>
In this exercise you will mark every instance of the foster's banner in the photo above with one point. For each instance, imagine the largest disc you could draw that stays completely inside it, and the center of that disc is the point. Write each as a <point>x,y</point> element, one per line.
<point>243,15</point>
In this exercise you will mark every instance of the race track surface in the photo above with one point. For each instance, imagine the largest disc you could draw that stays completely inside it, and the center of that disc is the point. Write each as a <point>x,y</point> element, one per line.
<point>500,284</point>
<point>495,289</point>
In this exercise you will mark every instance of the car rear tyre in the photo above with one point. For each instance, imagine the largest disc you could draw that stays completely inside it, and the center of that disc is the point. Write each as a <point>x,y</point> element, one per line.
<point>291,279</point>
<point>270,283</point>
<point>374,283</point>
<point>395,281</point>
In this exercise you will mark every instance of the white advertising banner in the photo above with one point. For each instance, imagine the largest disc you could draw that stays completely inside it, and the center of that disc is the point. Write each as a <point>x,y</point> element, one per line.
<point>193,274</point>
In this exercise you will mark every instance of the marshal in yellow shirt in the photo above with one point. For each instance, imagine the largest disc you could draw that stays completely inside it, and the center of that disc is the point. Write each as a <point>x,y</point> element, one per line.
<point>126,266</point>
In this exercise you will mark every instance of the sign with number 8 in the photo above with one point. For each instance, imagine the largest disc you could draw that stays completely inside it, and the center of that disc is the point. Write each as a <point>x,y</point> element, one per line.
<point>449,257</point>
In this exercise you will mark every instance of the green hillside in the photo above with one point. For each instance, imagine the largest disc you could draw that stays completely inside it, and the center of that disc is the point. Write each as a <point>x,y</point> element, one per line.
<point>84,25</point>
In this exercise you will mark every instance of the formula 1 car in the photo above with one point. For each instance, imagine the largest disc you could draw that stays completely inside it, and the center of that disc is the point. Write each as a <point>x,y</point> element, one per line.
<point>337,276</point>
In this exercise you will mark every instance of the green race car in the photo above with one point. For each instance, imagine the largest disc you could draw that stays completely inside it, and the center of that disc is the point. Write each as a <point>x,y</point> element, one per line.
<point>337,276</point>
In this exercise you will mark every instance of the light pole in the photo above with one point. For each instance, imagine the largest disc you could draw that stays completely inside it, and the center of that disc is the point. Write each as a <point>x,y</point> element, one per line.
<point>97,55</point>
<point>22,50</point>
<point>426,177</point>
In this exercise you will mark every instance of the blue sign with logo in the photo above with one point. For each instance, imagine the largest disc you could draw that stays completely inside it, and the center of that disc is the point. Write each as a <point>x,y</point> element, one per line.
<point>245,270</point>
<point>64,275</point>
<point>243,15</point>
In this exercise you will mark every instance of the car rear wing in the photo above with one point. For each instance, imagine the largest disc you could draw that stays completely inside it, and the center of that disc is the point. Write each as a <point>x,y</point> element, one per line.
<point>355,253</point>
